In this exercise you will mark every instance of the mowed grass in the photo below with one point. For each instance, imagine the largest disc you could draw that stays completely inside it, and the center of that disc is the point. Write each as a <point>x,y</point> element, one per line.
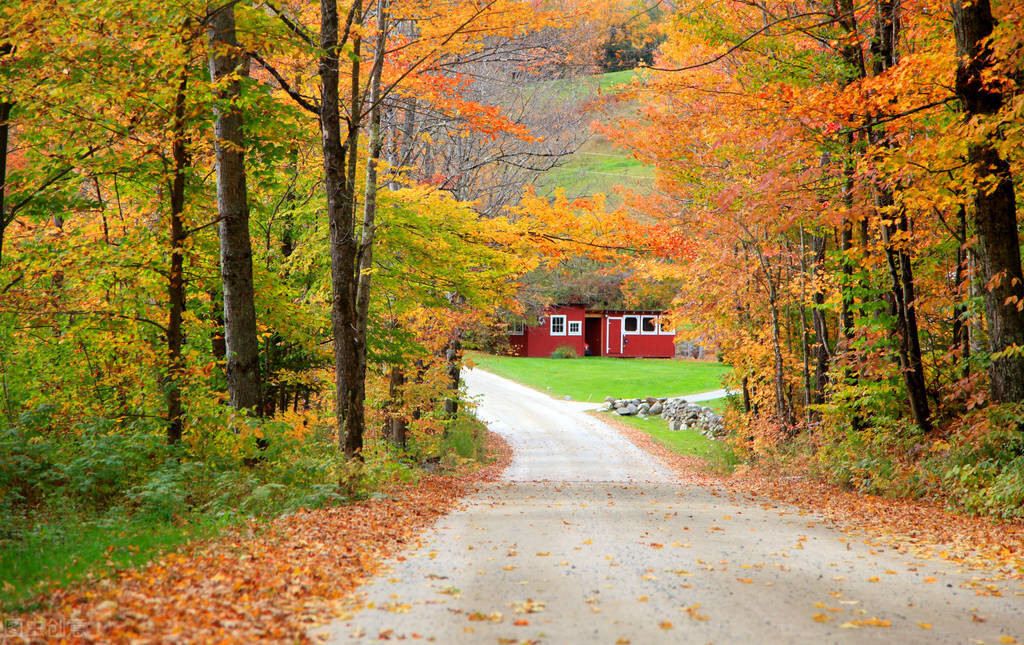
<point>592,378</point>
<point>716,454</point>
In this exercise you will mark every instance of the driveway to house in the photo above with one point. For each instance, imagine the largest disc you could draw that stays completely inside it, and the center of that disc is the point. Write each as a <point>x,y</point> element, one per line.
<point>588,539</point>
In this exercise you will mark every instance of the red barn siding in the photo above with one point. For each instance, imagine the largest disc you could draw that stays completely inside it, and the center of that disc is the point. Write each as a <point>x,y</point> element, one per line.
<point>615,333</point>
<point>640,341</point>
<point>541,342</point>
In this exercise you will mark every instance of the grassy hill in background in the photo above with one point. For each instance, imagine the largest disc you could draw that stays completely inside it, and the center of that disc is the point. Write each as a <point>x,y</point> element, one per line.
<point>598,166</point>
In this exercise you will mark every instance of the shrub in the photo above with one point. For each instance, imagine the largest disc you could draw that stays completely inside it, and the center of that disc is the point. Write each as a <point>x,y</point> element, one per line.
<point>564,351</point>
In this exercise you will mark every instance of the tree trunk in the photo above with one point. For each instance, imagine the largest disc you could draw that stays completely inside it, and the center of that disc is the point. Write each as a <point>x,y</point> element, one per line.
<point>909,344</point>
<point>218,347</point>
<point>961,337</point>
<point>995,214</point>
<point>395,425</point>
<point>176,275</point>
<point>240,333</point>
<point>846,245</point>
<point>822,350</point>
<point>5,129</point>
<point>782,409</point>
<point>364,259</point>
<point>451,356</point>
<point>349,390</point>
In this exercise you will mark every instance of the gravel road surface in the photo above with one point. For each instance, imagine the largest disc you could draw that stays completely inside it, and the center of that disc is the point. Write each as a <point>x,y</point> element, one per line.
<point>589,540</point>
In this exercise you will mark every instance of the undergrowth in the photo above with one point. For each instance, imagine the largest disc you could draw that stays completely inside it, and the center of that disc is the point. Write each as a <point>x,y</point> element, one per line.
<point>973,465</point>
<point>101,497</point>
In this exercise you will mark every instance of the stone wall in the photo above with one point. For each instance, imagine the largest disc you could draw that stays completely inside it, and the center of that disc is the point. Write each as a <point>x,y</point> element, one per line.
<point>676,410</point>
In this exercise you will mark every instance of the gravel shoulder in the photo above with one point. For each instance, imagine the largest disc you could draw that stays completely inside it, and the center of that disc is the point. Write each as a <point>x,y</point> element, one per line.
<point>589,539</point>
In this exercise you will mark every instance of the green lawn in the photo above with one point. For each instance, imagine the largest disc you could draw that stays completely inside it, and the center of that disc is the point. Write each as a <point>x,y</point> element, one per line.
<point>593,378</point>
<point>716,454</point>
<point>718,404</point>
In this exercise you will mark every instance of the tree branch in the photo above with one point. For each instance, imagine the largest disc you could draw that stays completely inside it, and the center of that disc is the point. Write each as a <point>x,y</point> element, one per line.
<point>298,98</point>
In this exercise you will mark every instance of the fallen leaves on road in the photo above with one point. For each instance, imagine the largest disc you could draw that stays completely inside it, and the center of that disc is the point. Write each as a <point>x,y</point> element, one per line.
<point>923,528</point>
<point>692,612</point>
<point>266,581</point>
<point>866,622</point>
<point>528,606</point>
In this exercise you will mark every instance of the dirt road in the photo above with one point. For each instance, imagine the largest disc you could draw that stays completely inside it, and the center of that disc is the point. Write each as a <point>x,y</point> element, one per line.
<point>589,540</point>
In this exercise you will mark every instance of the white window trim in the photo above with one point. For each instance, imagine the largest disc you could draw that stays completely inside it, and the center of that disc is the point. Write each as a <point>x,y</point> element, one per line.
<point>552,327</point>
<point>517,328</point>
<point>579,328</point>
<point>641,326</point>
<point>626,332</point>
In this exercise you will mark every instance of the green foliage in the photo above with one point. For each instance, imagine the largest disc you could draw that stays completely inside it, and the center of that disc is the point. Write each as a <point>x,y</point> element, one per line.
<point>985,476</point>
<point>564,351</point>
<point>978,470</point>
<point>465,438</point>
<point>104,496</point>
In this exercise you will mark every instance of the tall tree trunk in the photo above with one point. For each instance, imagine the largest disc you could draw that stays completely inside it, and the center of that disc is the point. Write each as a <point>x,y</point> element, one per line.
<point>805,343</point>
<point>884,55</point>
<point>337,155</point>
<point>782,409</point>
<point>995,214</point>
<point>355,358</point>
<point>176,274</point>
<point>5,129</point>
<point>218,347</point>
<point>240,333</point>
<point>846,244</point>
<point>822,350</point>
<point>903,294</point>
<point>961,330</point>
<point>364,260</point>
<point>5,115</point>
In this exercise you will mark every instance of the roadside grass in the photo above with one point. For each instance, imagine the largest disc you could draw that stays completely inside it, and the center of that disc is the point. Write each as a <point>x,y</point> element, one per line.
<point>68,550</point>
<point>718,456</point>
<point>719,404</point>
<point>592,378</point>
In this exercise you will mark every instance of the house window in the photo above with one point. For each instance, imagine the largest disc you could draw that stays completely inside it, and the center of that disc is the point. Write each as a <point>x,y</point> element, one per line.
<point>558,325</point>
<point>649,324</point>
<point>517,328</point>
<point>630,324</point>
<point>664,326</point>
<point>575,328</point>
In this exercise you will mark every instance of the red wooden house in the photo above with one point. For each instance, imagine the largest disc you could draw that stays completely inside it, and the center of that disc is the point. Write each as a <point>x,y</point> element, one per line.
<point>626,333</point>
